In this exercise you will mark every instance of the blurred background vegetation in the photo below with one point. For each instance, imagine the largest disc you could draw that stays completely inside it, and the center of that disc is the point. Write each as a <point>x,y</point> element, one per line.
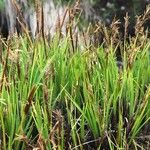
<point>105,10</point>
<point>108,8</point>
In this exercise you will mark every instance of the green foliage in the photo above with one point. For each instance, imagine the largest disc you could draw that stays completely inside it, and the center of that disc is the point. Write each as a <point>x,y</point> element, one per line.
<point>68,92</point>
<point>1,4</point>
<point>43,96</point>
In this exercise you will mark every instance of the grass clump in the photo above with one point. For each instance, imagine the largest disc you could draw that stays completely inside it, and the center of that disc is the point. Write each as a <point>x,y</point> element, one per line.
<point>70,93</point>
